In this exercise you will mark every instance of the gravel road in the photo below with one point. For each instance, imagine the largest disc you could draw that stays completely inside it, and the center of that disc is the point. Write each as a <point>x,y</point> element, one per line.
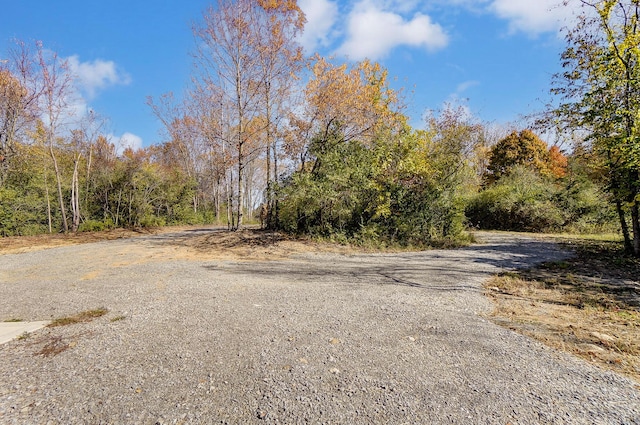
<point>319,338</point>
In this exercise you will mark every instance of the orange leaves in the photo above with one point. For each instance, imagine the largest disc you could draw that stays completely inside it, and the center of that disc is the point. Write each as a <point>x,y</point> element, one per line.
<point>288,10</point>
<point>358,98</point>
<point>525,148</point>
<point>557,162</point>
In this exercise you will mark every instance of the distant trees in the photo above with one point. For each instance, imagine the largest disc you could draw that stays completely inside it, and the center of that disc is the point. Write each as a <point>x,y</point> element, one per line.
<point>529,187</point>
<point>18,102</point>
<point>246,62</point>
<point>524,148</point>
<point>317,146</point>
<point>48,146</point>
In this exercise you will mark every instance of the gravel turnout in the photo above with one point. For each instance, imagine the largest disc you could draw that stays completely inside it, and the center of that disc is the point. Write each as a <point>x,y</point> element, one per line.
<point>319,338</point>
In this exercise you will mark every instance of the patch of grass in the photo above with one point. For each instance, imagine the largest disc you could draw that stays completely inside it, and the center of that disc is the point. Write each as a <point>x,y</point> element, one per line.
<point>23,336</point>
<point>13,320</point>
<point>118,318</point>
<point>83,317</point>
<point>588,305</point>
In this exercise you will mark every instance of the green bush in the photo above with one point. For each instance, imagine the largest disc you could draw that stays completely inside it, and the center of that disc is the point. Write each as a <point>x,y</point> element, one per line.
<point>386,193</point>
<point>93,226</point>
<point>525,201</point>
<point>520,201</point>
<point>21,213</point>
<point>152,221</point>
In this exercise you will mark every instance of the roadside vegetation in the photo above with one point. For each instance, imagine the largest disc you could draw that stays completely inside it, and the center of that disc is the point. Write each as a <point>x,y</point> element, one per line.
<point>328,154</point>
<point>588,305</point>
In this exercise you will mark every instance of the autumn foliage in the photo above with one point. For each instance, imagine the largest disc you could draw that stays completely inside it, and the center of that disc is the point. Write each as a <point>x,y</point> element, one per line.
<point>310,145</point>
<point>525,148</point>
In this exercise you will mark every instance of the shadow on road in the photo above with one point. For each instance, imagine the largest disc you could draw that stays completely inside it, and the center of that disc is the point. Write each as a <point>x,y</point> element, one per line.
<point>438,270</point>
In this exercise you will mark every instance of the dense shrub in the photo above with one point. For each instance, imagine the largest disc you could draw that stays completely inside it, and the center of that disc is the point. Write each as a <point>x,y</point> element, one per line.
<point>525,201</point>
<point>392,191</point>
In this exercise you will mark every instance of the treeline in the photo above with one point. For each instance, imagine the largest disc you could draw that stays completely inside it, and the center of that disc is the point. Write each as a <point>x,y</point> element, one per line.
<point>134,189</point>
<point>318,147</point>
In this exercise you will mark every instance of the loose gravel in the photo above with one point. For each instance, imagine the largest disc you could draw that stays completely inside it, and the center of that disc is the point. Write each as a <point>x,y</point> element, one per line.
<point>319,338</point>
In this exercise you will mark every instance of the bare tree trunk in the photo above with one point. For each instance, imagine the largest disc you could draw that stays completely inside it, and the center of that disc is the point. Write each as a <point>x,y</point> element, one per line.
<point>65,224</point>
<point>230,220</point>
<point>87,186</point>
<point>75,196</point>
<point>241,135</point>
<point>276,204</point>
<point>240,191</point>
<point>46,191</point>
<point>217,198</point>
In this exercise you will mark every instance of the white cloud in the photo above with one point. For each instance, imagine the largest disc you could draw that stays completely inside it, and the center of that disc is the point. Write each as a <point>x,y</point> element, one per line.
<point>97,75</point>
<point>321,18</point>
<point>127,140</point>
<point>534,17</point>
<point>373,32</point>
<point>463,87</point>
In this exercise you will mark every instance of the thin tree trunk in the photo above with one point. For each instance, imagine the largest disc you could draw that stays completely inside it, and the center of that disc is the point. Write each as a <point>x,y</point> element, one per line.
<point>75,196</point>
<point>276,204</point>
<point>267,201</point>
<point>217,198</point>
<point>240,192</point>
<point>635,222</point>
<point>65,224</point>
<point>230,221</point>
<point>87,186</point>
<point>46,191</point>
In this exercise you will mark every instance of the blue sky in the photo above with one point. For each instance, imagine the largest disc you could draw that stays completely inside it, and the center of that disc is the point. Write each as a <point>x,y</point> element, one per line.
<point>494,56</point>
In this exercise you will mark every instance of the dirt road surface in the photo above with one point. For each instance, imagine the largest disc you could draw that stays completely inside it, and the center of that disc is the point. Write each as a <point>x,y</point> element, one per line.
<point>199,332</point>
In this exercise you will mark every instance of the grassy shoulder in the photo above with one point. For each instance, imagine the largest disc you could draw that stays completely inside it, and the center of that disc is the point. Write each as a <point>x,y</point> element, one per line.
<point>588,305</point>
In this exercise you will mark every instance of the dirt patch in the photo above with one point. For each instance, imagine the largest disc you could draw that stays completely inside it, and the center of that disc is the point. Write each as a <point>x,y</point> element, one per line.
<point>588,305</point>
<point>251,244</point>
<point>188,242</point>
<point>20,244</point>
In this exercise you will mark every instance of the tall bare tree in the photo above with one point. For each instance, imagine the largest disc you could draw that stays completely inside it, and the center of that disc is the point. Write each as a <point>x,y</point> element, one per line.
<point>57,89</point>
<point>228,60</point>
<point>247,58</point>
<point>281,60</point>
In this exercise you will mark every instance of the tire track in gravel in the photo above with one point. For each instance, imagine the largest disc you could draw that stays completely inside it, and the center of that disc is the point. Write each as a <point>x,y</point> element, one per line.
<point>318,338</point>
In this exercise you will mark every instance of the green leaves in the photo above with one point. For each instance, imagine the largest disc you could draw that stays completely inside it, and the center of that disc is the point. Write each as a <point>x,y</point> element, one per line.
<point>600,95</point>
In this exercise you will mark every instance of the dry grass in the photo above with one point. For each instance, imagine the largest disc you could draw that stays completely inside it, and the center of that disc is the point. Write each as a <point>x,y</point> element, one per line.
<point>588,305</point>
<point>83,317</point>
<point>54,346</point>
<point>256,245</point>
<point>205,242</point>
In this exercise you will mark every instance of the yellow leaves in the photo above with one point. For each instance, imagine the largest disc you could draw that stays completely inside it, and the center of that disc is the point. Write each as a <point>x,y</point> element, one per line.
<point>418,161</point>
<point>357,97</point>
<point>10,87</point>
<point>383,206</point>
<point>285,10</point>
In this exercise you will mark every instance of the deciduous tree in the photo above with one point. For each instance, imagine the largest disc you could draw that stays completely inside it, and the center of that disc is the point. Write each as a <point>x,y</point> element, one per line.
<point>599,92</point>
<point>523,148</point>
<point>228,61</point>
